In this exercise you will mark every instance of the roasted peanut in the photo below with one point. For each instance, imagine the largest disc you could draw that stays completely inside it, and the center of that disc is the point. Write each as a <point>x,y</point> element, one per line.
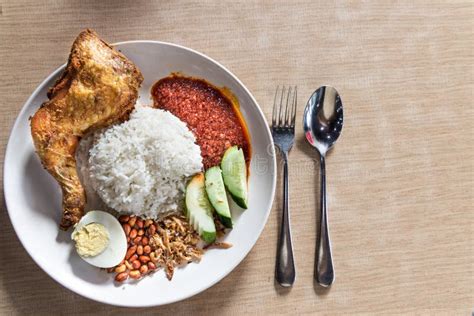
<point>132,221</point>
<point>128,265</point>
<point>136,264</point>
<point>153,257</point>
<point>121,277</point>
<point>126,229</point>
<point>124,218</point>
<point>151,230</point>
<point>145,253</point>
<point>121,268</point>
<point>135,274</point>
<point>146,249</point>
<point>144,269</point>
<point>130,252</point>
<point>151,266</point>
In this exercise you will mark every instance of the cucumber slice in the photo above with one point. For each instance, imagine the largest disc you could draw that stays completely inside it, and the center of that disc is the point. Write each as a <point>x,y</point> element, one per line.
<point>216,192</point>
<point>234,172</point>
<point>199,209</point>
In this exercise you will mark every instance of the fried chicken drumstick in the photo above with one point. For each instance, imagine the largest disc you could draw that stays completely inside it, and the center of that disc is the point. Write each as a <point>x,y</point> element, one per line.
<point>99,87</point>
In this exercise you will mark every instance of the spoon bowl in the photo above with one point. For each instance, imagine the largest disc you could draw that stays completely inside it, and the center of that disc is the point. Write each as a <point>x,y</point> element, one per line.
<point>323,118</point>
<point>322,123</point>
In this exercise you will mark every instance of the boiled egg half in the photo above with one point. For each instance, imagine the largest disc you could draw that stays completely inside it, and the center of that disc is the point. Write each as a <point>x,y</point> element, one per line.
<point>100,240</point>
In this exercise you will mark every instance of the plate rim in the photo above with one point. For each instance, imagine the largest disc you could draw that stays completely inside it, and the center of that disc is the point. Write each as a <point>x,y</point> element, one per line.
<point>200,289</point>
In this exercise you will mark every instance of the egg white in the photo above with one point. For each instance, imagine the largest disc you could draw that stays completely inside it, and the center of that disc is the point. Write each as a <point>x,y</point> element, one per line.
<point>115,251</point>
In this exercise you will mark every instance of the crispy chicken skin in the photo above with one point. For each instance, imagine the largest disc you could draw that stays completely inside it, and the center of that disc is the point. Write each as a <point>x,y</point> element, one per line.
<point>99,87</point>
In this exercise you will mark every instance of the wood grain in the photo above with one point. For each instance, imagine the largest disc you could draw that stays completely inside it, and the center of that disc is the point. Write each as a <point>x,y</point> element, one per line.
<point>400,180</point>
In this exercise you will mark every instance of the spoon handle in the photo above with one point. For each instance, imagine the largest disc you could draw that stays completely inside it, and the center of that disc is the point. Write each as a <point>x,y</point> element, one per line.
<point>285,266</point>
<point>324,270</point>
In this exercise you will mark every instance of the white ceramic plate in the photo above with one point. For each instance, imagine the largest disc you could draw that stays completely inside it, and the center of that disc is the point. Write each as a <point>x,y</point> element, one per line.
<point>33,198</point>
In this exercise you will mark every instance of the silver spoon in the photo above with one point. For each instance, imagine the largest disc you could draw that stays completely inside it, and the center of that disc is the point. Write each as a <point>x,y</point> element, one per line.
<point>322,122</point>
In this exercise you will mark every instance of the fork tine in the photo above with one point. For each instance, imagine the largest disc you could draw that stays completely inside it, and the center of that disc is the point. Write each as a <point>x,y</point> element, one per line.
<point>286,123</point>
<point>274,107</point>
<point>280,120</point>
<point>294,105</point>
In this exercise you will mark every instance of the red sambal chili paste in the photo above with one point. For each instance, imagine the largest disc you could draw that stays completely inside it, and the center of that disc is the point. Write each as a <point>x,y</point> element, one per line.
<point>213,117</point>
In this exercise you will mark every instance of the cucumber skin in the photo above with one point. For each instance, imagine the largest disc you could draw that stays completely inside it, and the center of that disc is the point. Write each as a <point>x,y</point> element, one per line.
<point>208,237</point>
<point>224,219</point>
<point>243,203</point>
<point>240,201</point>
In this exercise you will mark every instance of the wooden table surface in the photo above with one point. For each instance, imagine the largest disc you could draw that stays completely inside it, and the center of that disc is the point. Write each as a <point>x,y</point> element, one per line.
<point>400,180</point>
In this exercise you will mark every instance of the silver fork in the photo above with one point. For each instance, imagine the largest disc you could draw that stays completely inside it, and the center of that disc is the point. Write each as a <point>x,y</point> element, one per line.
<point>283,131</point>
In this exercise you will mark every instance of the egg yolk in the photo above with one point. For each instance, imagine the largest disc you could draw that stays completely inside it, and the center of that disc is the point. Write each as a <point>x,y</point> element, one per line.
<point>91,239</point>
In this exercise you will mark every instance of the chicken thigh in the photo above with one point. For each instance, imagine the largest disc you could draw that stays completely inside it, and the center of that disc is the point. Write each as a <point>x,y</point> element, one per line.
<point>99,87</point>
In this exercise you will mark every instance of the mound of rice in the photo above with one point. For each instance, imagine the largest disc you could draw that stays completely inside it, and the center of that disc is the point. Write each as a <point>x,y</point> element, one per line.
<point>141,166</point>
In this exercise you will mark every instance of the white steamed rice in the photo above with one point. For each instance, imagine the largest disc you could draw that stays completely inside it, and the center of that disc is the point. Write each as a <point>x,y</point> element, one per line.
<point>141,166</point>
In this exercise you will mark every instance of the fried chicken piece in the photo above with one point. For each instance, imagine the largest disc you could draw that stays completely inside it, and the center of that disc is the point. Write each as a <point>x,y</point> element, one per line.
<point>99,87</point>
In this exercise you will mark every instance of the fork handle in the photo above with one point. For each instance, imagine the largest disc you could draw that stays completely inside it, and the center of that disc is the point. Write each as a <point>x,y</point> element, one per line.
<point>285,265</point>
<point>324,269</point>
